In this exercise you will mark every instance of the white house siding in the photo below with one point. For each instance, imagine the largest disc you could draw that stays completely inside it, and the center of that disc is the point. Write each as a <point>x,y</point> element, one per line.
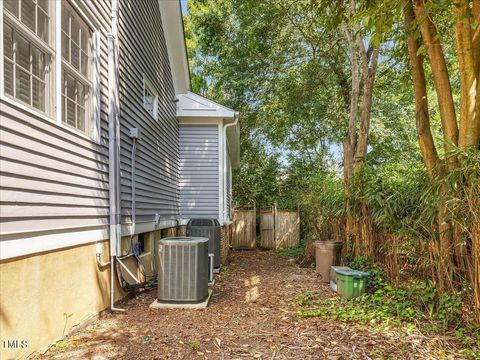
<point>199,172</point>
<point>143,52</point>
<point>52,178</point>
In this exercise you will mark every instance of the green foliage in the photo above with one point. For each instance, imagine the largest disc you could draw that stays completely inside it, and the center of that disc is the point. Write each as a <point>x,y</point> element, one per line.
<point>256,181</point>
<point>194,345</point>
<point>470,338</point>
<point>224,272</point>
<point>376,277</point>
<point>290,252</point>
<point>412,305</point>
<point>320,196</point>
<point>305,299</point>
<point>284,66</point>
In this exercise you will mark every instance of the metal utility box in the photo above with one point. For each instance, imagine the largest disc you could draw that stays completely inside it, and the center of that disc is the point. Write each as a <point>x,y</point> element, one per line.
<point>182,269</point>
<point>209,228</point>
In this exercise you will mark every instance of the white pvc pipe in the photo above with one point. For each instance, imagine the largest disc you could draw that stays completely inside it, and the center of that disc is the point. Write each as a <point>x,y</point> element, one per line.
<point>224,210</point>
<point>113,152</point>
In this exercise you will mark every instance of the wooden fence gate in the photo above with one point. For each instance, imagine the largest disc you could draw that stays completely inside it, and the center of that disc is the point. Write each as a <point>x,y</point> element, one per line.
<point>244,229</point>
<point>279,229</point>
<point>267,228</point>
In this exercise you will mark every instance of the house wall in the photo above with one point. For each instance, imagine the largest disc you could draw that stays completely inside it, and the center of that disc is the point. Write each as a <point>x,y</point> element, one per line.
<point>199,171</point>
<point>54,189</point>
<point>157,155</point>
<point>52,178</point>
<point>46,296</point>
<point>44,293</point>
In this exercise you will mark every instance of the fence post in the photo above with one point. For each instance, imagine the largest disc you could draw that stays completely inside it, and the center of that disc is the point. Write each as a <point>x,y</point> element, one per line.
<point>275,225</point>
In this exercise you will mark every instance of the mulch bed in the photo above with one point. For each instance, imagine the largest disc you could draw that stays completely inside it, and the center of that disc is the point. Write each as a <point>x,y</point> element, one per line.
<point>251,316</point>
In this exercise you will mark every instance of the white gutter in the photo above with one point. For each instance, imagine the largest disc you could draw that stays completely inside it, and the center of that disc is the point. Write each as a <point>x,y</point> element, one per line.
<point>113,150</point>
<point>224,210</point>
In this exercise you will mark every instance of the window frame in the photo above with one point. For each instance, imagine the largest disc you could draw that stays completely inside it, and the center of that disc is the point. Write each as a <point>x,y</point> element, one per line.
<point>147,85</point>
<point>53,88</point>
<point>86,80</point>
<point>45,47</point>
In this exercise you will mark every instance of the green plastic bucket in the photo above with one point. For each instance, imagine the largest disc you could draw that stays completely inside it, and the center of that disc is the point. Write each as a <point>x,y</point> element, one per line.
<point>351,283</point>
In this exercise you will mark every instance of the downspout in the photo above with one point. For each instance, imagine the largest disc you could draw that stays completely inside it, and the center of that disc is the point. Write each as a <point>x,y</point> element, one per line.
<point>113,151</point>
<point>236,118</point>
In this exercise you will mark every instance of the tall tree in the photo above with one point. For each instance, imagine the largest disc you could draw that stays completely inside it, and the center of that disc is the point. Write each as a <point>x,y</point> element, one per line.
<point>450,251</point>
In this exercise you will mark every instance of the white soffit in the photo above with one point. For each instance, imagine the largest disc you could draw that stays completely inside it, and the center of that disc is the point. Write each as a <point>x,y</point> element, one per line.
<point>191,105</point>
<point>172,22</point>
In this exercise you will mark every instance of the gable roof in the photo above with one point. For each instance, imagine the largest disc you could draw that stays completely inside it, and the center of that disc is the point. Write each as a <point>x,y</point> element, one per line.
<point>194,105</point>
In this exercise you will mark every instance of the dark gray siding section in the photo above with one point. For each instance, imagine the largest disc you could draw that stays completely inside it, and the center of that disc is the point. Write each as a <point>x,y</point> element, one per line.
<point>143,52</point>
<point>199,171</point>
<point>52,179</point>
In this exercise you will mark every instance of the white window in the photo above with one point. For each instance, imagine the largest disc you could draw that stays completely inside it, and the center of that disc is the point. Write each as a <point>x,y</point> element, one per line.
<point>150,98</point>
<point>50,61</point>
<point>76,63</point>
<point>27,53</point>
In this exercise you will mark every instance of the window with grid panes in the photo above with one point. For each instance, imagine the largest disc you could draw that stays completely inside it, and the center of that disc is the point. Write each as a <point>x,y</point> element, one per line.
<point>76,79</point>
<point>150,98</point>
<point>27,53</point>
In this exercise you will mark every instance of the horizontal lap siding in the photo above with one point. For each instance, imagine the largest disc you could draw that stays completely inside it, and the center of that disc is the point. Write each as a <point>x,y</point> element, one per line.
<point>52,178</point>
<point>143,51</point>
<point>199,171</point>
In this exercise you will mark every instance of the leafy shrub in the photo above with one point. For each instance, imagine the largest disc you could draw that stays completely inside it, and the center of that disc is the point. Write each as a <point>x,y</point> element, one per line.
<point>414,302</point>
<point>449,309</point>
<point>376,276</point>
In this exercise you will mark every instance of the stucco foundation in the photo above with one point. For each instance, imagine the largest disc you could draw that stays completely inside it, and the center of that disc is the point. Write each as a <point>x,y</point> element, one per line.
<point>47,296</point>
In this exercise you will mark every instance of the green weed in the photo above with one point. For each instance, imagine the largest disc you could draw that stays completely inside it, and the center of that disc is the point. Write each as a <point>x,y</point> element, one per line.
<point>290,252</point>
<point>194,345</point>
<point>224,272</point>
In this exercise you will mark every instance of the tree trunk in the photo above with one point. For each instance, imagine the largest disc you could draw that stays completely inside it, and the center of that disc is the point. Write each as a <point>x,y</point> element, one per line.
<point>469,132</point>
<point>445,267</point>
<point>349,144</point>
<point>440,78</point>
<point>440,250</point>
<point>476,58</point>
<point>422,117</point>
<point>476,35</point>
<point>308,257</point>
<point>368,73</point>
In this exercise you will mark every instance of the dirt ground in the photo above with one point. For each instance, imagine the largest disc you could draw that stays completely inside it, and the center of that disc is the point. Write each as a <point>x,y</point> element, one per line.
<point>251,316</point>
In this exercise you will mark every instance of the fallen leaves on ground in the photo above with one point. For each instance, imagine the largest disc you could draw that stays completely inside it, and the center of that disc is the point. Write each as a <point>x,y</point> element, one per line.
<point>251,316</point>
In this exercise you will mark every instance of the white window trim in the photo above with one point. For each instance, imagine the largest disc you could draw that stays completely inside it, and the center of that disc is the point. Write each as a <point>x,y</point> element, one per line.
<point>147,84</point>
<point>55,97</point>
<point>27,33</point>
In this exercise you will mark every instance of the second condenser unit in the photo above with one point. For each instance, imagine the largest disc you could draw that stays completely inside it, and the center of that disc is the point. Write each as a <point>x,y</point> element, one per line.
<point>209,228</point>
